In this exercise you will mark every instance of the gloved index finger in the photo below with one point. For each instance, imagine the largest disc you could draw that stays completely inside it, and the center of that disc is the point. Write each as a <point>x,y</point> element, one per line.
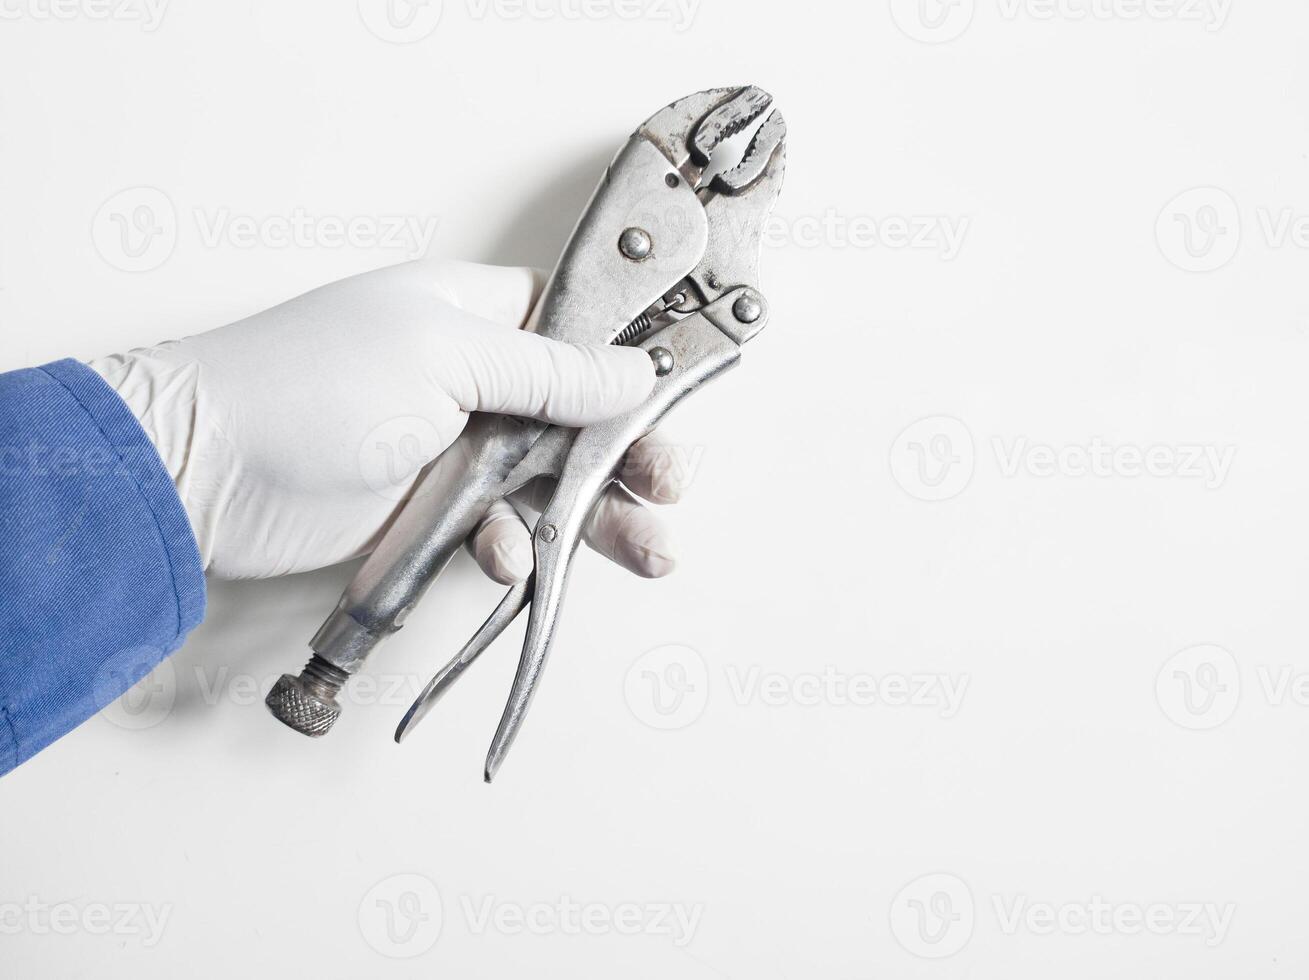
<point>659,469</point>
<point>512,372</point>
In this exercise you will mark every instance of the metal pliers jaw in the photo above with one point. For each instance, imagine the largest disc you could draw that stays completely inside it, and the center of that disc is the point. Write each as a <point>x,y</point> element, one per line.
<point>665,257</point>
<point>725,311</point>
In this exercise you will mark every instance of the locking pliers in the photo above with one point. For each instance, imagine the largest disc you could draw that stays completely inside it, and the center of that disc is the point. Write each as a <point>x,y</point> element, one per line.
<point>665,257</point>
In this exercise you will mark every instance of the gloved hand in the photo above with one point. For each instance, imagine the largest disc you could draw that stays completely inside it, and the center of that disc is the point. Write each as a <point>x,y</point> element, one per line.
<point>293,436</point>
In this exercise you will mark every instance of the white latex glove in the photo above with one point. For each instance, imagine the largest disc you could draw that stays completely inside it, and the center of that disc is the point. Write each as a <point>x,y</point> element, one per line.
<point>293,436</point>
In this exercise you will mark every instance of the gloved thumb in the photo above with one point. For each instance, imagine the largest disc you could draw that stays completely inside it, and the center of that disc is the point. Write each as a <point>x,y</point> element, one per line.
<point>513,372</point>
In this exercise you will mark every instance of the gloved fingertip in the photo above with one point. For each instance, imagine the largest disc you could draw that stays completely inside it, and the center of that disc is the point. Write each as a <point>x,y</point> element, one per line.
<point>665,485</point>
<point>653,469</point>
<point>559,382</point>
<point>629,377</point>
<point>502,546</point>
<point>508,560</point>
<point>646,549</point>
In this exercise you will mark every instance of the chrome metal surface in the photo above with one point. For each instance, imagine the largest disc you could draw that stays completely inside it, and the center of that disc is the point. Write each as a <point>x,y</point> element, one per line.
<point>514,602</point>
<point>635,243</point>
<point>663,360</point>
<point>747,308</point>
<point>307,703</point>
<point>701,352</point>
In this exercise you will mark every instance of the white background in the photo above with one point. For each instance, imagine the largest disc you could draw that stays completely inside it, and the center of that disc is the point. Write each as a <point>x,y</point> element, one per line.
<point>1093,757</point>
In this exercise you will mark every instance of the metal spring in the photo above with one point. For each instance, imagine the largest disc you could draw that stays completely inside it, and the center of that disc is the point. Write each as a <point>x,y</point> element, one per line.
<point>633,330</point>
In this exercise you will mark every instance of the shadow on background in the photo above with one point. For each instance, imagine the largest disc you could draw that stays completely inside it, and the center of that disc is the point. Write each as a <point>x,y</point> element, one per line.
<point>539,231</point>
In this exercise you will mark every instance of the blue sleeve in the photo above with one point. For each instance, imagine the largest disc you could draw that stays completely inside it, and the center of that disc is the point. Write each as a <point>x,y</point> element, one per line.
<point>100,578</point>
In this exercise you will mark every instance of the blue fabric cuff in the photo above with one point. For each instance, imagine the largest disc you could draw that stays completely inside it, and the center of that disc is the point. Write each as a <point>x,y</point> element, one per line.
<point>100,576</point>
<point>142,463</point>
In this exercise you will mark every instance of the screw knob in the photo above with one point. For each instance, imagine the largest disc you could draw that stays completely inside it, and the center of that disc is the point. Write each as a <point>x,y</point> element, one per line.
<point>307,703</point>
